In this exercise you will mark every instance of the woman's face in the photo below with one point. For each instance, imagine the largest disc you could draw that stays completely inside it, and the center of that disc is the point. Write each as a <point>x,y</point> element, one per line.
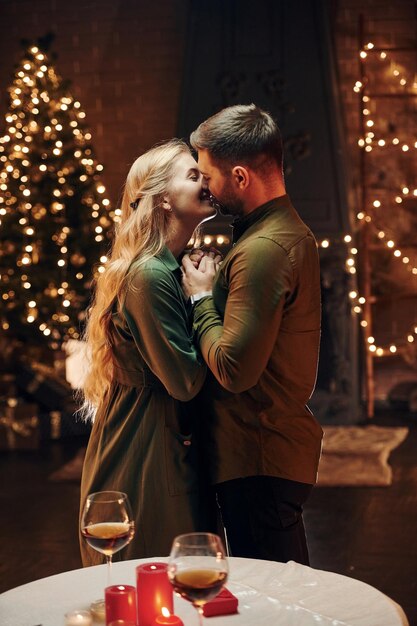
<point>188,194</point>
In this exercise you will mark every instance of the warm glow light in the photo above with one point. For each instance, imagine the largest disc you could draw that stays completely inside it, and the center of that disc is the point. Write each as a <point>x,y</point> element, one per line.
<point>347,238</point>
<point>352,294</point>
<point>376,204</point>
<point>393,349</point>
<point>325,243</point>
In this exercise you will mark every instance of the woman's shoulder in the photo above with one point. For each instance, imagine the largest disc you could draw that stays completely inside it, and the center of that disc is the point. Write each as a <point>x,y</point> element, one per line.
<point>147,273</point>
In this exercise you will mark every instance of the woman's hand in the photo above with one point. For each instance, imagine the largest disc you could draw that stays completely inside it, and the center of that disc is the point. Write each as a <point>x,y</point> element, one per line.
<point>196,280</point>
<point>197,254</point>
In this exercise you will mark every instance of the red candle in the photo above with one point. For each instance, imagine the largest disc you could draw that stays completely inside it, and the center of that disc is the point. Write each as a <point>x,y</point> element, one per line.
<point>166,619</point>
<point>154,591</point>
<point>120,601</point>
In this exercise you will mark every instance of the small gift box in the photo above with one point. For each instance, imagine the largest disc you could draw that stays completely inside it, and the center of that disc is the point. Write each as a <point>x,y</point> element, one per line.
<point>19,426</point>
<point>223,604</point>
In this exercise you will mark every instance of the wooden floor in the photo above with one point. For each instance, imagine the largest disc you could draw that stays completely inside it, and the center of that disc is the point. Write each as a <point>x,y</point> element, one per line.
<point>366,533</point>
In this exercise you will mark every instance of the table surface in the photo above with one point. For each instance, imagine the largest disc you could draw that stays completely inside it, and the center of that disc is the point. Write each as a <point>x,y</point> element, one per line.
<point>269,594</point>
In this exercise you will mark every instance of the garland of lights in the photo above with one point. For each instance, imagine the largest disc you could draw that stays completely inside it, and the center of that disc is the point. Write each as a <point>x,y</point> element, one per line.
<point>368,143</point>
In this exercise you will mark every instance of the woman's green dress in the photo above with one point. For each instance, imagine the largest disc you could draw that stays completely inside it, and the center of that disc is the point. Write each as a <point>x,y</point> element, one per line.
<point>144,439</point>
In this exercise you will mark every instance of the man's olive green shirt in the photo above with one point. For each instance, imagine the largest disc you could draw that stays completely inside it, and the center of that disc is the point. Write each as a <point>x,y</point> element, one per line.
<point>259,334</point>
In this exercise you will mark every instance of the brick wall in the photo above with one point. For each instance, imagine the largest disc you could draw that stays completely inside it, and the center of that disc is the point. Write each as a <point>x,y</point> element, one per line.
<point>124,58</point>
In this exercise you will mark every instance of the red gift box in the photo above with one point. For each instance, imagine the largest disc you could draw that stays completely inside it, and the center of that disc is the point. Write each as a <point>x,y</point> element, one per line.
<point>223,604</point>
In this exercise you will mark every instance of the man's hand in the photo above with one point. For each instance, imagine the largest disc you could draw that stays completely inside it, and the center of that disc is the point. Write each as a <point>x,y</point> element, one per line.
<point>196,280</point>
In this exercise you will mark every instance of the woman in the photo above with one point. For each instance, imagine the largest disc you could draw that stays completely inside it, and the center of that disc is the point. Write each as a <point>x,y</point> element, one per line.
<point>144,368</point>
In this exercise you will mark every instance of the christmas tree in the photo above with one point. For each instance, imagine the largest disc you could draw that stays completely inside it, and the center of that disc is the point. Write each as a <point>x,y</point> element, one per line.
<point>55,219</point>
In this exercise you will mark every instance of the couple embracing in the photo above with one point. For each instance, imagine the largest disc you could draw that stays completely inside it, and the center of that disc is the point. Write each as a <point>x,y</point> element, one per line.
<point>201,368</point>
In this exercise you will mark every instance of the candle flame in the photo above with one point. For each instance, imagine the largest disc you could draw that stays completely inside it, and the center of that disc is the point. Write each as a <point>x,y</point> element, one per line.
<point>165,612</point>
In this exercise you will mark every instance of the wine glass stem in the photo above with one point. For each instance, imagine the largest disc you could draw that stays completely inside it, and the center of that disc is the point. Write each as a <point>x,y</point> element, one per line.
<point>200,615</point>
<point>109,562</point>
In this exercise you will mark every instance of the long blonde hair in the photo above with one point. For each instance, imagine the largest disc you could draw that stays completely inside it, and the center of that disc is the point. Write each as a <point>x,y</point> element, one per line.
<point>140,234</point>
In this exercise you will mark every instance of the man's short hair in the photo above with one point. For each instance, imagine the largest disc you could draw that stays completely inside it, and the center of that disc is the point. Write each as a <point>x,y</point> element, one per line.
<point>240,133</point>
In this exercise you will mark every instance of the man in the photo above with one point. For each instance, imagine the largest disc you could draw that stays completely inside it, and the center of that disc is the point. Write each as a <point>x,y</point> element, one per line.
<point>258,327</point>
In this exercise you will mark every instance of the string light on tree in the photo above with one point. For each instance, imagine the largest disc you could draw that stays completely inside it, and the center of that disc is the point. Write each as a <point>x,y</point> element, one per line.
<point>50,207</point>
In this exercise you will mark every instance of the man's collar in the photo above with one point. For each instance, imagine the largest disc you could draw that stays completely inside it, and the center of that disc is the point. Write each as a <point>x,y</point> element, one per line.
<point>241,224</point>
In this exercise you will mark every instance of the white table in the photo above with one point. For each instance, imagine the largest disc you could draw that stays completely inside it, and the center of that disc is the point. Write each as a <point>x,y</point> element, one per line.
<point>269,594</point>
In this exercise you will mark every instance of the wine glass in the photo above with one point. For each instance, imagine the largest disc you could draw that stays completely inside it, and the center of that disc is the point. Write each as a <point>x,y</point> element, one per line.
<point>197,568</point>
<point>107,526</point>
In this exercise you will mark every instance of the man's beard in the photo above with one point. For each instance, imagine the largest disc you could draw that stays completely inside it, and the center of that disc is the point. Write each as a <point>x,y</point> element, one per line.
<point>229,204</point>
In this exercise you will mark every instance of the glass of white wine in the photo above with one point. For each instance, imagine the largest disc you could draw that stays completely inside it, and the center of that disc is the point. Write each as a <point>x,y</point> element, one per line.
<point>107,524</point>
<point>198,568</point>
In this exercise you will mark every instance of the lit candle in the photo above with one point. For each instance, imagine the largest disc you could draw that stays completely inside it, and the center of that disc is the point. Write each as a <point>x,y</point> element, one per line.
<point>166,619</point>
<point>120,601</point>
<point>78,618</point>
<point>154,591</point>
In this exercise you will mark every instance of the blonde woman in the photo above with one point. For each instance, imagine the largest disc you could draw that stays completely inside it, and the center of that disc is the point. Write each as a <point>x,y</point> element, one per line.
<point>145,369</point>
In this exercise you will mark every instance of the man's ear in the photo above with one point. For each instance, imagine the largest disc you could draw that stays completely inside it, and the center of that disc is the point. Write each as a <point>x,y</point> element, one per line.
<point>241,176</point>
<point>166,204</point>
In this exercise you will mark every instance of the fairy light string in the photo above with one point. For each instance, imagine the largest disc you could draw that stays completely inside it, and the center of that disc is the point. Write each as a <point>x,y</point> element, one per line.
<point>55,217</point>
<point>373,139</point>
